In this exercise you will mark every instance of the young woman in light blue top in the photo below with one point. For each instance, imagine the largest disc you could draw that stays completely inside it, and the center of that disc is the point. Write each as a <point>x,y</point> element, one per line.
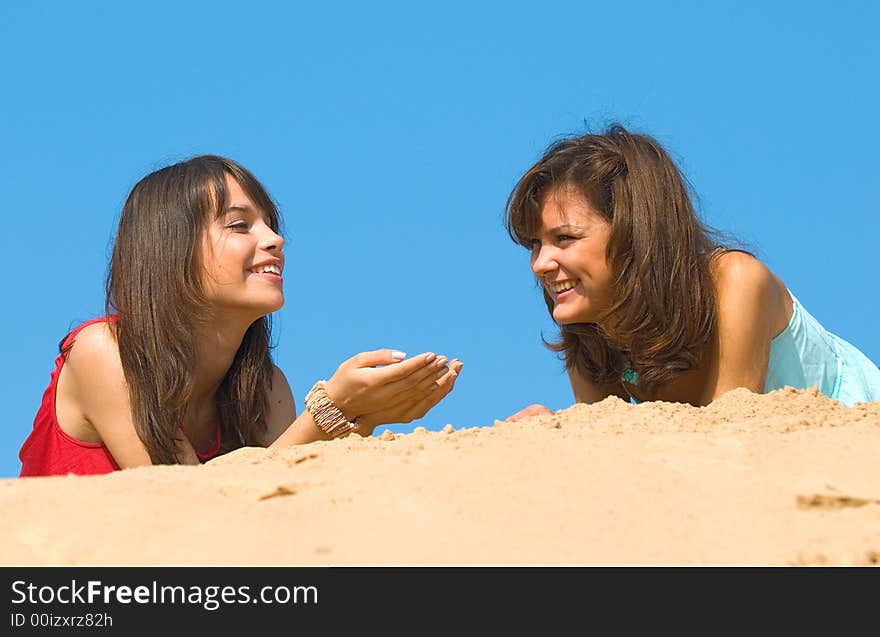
<point>650,306</point>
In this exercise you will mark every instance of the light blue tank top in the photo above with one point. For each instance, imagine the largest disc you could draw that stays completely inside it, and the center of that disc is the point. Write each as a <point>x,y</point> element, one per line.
<point>805,354</point>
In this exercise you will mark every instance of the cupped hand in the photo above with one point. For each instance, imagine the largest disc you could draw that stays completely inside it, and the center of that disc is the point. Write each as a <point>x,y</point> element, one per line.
<point>531,410</point>
<point>414,403</point>
<point>371,381</point>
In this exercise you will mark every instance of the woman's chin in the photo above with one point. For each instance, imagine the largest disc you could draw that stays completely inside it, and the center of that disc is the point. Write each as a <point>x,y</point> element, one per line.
<point>266,306</point>
<point>564,316</point>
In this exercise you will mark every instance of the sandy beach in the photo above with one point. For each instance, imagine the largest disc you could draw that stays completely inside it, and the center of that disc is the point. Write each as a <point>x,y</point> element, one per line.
<point>787,478</point>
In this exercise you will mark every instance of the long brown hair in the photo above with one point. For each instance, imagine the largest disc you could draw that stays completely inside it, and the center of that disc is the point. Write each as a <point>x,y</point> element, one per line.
<point>154,287</point>
<point>659,252</point>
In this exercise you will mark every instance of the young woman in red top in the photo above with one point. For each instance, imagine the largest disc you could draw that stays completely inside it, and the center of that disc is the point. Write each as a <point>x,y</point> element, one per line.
<point>179,370</point>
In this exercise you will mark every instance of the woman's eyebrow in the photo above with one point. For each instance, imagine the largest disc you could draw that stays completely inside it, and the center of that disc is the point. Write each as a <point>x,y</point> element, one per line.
<point>566,228</point>
<point>240,207</point>
<point>248,210</point>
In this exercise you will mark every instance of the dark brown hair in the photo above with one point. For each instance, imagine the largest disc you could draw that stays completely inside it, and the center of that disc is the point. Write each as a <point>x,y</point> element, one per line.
<point>154,287</point>
<point>663,305</point>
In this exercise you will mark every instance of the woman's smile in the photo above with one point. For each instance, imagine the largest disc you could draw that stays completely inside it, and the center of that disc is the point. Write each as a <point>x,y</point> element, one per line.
<point>270,271</point>
<point>561,290</point>
<point>569,257</point>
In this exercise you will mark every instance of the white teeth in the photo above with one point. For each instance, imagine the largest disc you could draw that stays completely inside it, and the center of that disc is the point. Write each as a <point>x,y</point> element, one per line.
<point>560,287</point>
<point>274,269</point>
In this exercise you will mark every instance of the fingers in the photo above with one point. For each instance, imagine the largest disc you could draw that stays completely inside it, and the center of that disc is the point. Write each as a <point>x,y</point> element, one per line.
<point>408,375</point>
<point>377,357</point>
<point>440,390</point>
<point>445,379</point>
<point>359,389</point>
<point>443,387</point>
<point>403,370</point>
<point>410,405</point>
<point>531,410</point>
<point>451,376</point>
<point>420,384</point>
<point>427,380</point>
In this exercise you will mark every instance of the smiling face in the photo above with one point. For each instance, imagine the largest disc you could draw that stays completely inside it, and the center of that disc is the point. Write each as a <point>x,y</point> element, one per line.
<point>243,258</point>
<point>568,257</point>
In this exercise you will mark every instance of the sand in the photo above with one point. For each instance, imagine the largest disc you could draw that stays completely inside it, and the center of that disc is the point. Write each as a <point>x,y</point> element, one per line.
<point>787,478</point>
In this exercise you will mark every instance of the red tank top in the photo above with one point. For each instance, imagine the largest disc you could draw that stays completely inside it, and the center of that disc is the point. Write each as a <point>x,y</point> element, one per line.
<point>49,450</point>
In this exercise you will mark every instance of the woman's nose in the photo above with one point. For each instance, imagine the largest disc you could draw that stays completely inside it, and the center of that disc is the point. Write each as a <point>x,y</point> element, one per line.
<point>543,261</point>
<point>271,240</point>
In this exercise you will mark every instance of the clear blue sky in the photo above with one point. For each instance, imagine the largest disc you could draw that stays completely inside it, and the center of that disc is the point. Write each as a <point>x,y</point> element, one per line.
<point>391,134</point>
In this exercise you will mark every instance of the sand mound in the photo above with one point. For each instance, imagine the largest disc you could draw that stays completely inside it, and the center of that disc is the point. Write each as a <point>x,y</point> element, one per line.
<point>786,478</point>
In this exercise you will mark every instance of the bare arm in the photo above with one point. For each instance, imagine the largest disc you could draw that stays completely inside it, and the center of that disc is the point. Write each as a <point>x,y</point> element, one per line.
<point>752,308</point>
<point>282,408</point>
<point>283,426</point>
<point>584,390</point>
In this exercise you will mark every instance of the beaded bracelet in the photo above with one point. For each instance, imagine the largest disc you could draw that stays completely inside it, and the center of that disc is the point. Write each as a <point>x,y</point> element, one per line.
<point>325,412</point>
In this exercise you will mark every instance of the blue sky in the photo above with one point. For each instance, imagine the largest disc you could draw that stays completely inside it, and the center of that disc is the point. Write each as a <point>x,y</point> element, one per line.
<point>391,134</point>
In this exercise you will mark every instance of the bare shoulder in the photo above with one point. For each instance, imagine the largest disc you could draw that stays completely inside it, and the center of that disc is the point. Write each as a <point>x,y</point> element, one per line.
<point>282,408</point>
<point>94,357</point>
<point>100,335</point>
<point>280,387</point>
<point>745,286</point>
<point>92,395</point>
<point>733,267</point>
